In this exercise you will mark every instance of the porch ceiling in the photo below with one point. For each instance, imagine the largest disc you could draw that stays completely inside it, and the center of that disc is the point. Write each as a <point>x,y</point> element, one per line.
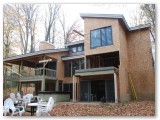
<point>29,61</point>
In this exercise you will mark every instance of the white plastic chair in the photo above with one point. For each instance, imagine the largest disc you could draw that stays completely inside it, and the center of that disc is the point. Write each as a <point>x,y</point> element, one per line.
<point>9,104</point>
<point>45,108</point>
<point>13,97</point>
<point>19,96</point>
<point>27,99</point>
<point>5,110</point>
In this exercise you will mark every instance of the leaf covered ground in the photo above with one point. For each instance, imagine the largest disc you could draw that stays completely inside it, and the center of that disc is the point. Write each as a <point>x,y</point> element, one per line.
<point>136,108</point>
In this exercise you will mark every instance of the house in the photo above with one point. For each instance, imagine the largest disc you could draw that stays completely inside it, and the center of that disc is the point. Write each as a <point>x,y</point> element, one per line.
<point>97,67</point>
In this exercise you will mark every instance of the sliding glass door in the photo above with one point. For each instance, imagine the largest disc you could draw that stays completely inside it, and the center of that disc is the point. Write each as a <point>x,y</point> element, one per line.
<point>96,90</point>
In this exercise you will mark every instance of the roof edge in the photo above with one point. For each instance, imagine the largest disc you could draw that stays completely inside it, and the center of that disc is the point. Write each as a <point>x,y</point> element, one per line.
<point>140,27</point>
<point>36,53</point>
<point>74,43</point>
<point>114,16</point>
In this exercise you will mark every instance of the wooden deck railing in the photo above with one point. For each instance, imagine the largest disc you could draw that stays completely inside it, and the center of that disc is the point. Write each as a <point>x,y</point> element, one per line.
<point>32,73</point>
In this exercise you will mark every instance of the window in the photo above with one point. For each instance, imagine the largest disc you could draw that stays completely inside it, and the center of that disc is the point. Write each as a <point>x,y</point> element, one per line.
<point>77,49</point>
<point>74,49</point>
<point>101,37</point>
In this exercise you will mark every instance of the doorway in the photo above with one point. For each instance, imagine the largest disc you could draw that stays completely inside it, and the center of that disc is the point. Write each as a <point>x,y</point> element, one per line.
<point>96,90</point>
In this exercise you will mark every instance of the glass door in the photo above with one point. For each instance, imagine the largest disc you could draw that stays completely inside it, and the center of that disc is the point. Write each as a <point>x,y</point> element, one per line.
<point>85,90</point>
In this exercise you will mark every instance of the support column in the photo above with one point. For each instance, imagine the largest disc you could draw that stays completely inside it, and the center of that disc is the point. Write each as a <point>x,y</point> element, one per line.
<point>43,85</point>
<point>73,89</point>
<point>43,80</point>
<point>57,85</point>
<point>21,67</point>
<point>85,62</point>
<point>78,89</point>
<point>115,88</point>
<point>20,87</point>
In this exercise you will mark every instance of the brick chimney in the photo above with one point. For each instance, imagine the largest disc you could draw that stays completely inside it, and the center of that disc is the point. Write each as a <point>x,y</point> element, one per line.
<point>45,45</point>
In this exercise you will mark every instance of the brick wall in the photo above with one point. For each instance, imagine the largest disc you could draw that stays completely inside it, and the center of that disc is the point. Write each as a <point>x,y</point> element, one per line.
<point>140,63</point>
<point>44,46</point>
<point>94,23</point>
<point>124,91</point>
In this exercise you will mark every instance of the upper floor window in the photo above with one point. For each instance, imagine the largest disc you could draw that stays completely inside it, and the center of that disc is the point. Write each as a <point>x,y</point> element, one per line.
<point>77,49</point>
<point>74,49</point>
<point>101,37</point>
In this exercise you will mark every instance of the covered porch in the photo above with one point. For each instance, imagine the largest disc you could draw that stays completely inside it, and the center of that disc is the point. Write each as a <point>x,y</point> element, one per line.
<point>37,69</point>
<point>96,84</point>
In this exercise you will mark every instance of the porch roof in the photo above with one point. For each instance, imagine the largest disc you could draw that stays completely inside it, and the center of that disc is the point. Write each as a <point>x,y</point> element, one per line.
<point>31,58</point>
<point>96,71</point>
<point>72,57</point>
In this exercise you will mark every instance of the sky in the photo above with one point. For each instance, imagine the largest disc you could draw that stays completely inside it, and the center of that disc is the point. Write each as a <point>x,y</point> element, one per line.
<point>72,13</point>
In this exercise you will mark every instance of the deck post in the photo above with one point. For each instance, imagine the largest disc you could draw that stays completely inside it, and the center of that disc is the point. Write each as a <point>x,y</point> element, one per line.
<point>57,85</point>
<point>115,88</point>
<point>43,80</point>
<point>78,89</point>
<point>21,67</point>
<point>73,89</point>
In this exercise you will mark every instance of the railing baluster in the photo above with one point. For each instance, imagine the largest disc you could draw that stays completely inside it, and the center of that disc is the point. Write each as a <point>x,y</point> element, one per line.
<point>32,73</point>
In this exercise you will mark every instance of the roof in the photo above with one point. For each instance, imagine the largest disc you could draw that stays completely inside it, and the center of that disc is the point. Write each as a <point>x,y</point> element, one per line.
<point>36,53</point>
<point>115,16</point>
<point>72,57</point>
<point>96,71</point>
<point>75,43</point>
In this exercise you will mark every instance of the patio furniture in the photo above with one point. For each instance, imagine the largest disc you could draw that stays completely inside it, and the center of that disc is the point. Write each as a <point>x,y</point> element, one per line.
<point>5,110</point>
<point>33,106</point>
<point>9,107</point>
<point>27,99</point>
<point>45,107</point>
<point>13,97</point>
<point>19,98</point>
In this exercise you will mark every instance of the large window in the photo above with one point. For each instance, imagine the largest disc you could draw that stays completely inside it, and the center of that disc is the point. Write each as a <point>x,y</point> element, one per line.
<point>101,37</point>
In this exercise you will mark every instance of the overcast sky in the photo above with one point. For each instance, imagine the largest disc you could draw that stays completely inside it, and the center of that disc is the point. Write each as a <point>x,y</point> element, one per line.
<point>72,12</point>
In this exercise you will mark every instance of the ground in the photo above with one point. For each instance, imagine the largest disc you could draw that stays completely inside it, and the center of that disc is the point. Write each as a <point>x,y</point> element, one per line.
<point>136,108</point>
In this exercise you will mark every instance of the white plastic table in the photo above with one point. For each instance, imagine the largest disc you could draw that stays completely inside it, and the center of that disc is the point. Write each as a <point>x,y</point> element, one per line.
<point>32,105</point>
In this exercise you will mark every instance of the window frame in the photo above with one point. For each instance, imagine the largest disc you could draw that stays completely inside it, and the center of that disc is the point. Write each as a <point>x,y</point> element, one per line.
<point>101,45</point>
<point>76,48</point>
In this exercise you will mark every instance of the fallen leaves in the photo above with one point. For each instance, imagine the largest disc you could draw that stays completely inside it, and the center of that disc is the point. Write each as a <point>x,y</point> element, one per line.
<point>137,108</point>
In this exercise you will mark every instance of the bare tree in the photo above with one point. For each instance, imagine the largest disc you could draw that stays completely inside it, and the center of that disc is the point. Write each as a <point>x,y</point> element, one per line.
<point>149,12</point>
<point>26,18</point>
<point>50,22</point>
<point>8,29</point>
<point>137,18</point>
<point>68,29</point>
